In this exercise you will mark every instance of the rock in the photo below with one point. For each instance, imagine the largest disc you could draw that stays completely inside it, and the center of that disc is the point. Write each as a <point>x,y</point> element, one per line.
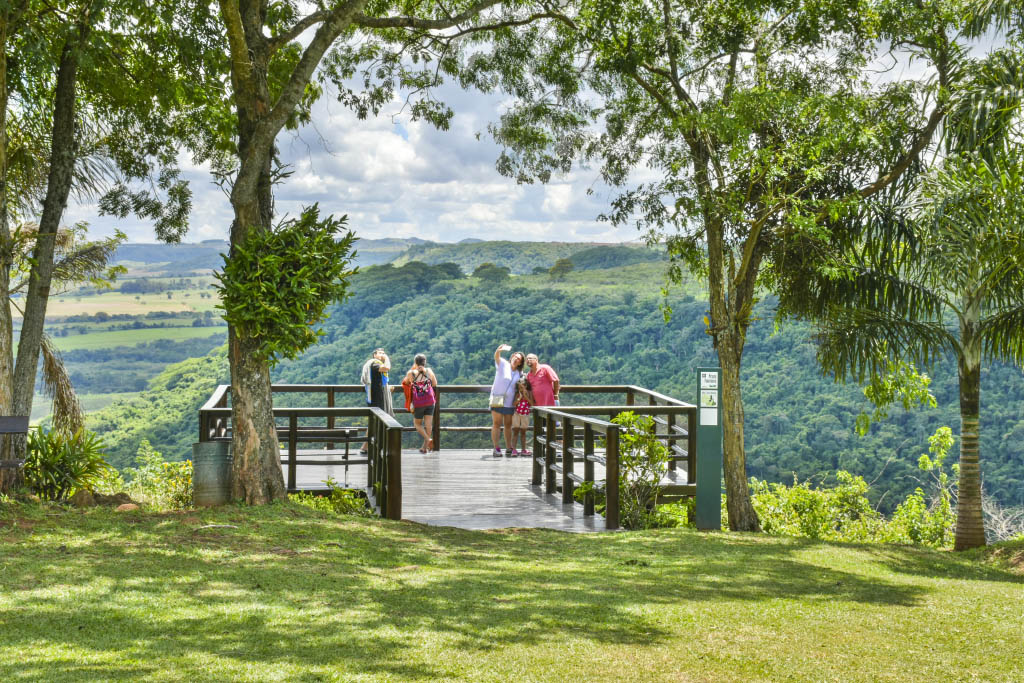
<point>127,507</point>
<point>114,499</point>
<point>83,498</point>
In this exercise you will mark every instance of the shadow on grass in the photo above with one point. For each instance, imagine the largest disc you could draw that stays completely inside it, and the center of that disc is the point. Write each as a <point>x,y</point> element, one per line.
<point>293,589</point>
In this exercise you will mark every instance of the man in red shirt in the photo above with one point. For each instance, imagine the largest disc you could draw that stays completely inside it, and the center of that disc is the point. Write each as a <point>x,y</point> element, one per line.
<point>543,381</point>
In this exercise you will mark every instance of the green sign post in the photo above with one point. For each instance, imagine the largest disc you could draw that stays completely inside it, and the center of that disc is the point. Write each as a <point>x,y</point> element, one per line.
<point>709,448</point>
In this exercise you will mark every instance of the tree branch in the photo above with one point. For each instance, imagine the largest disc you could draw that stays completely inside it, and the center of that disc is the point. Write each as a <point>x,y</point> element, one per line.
<point>282,39</point>
<point>241,65</point>
<point>364,21</point>
<point>903,164</point>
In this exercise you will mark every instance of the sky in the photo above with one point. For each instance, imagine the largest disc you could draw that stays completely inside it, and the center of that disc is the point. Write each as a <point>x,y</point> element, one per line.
<point>395,177</point>
<point>399,178</point>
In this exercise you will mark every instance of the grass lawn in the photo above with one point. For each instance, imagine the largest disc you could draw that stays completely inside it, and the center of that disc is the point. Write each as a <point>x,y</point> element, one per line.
<point>106,340</point>
<point>293,594</point>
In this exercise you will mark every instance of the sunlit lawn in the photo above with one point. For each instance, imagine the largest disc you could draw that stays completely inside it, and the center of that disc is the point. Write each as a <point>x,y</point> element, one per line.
<point>291,594</point>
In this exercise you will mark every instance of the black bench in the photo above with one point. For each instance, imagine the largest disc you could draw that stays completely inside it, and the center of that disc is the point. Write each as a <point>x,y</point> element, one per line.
<point>15,424</point>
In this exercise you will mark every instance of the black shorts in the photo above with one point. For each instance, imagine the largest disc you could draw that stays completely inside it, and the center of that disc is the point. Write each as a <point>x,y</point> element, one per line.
<point>419,411</point>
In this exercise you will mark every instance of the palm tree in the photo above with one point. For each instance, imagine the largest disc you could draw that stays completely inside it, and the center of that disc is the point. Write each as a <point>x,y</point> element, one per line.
<point>942,271</point>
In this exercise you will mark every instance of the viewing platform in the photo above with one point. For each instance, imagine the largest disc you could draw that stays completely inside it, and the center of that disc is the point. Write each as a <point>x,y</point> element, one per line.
<point>464,485</point>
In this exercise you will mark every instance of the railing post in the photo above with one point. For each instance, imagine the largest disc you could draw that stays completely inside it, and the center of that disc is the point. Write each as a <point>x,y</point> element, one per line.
<point>538,470</point>
<point>611,487</point>
<point>330,418</point>
<point>436,435</point>
<point>371,469</point>
<point>588,468</point>
<point>630,397</point>
<point>549,455</point>
<point>293,429</point>
<point>670,421</point>
<point>691,446</point>
<point>394,474</point>
<point>568,443</point>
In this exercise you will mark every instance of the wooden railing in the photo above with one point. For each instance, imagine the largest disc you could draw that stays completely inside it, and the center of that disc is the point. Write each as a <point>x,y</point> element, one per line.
<point>565,436</point>
<point>382,436</point>
<point>675,422</point>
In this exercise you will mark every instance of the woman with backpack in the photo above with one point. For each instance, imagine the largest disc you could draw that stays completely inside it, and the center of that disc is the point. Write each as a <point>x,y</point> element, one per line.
<point>423,397</point>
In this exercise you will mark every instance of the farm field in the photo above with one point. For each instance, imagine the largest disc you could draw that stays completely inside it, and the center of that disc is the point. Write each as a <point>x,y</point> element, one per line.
<point>90,403</point>
<point>103,340</point>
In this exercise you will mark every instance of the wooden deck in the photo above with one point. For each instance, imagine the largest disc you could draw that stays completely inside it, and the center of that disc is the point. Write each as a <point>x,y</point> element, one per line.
<point>468,489</point>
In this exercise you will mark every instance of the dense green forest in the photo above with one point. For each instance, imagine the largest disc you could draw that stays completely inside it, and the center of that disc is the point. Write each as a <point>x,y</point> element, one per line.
<point>604,326</point>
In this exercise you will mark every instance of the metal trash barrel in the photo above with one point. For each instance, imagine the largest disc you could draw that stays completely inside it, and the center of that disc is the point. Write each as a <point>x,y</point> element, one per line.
<point>211,473</point>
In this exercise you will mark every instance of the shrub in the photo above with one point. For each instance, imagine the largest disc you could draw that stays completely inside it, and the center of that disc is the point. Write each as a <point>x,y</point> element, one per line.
<point>162,484</point>
<point>58,464</point>
<point>930,522</point>
<point>843,512</point>
<point>340,501</point>
<point>642,462</point>
<point>840,513</point>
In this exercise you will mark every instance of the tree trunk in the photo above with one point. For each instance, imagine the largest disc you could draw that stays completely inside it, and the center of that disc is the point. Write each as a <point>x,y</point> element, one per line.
<point>256,466</point>
<point>63,152</point>
<point>10,478</point>
<point>742,516</point>
<point>729,324</point>
<point>970,524</point>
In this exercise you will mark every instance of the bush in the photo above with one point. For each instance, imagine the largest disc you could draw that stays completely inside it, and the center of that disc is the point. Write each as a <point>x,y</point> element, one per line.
<point>162,484</point>
<point>340,501</point>
<point>58,464</point>
<point>642,462</point>
<point>843,512</point>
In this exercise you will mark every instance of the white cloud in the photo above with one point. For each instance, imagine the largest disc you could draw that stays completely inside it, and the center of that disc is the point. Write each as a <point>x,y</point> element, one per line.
<point>396,177</point>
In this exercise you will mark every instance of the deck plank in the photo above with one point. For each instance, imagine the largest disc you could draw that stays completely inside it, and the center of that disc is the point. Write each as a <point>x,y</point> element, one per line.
<point>468,489</point>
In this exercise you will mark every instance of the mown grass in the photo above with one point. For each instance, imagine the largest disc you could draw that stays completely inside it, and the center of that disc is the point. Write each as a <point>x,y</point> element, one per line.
<point>292,594</point>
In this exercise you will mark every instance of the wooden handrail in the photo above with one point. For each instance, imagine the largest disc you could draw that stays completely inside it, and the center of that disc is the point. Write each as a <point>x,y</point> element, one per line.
<point>383,434</point>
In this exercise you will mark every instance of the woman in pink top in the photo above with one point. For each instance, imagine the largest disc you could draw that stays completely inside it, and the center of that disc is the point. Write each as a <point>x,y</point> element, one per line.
<point>543,380</point>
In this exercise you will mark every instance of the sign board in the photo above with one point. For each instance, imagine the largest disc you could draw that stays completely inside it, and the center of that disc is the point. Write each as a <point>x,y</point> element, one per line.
<point>709,449</point>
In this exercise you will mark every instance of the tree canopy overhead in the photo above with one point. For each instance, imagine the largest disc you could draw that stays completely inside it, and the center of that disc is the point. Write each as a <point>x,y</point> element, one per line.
<point>740,134</point>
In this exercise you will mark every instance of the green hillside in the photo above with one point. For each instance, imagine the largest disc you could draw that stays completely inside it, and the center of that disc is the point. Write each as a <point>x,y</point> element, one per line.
<point>520,257</point>
<point>605,327</point>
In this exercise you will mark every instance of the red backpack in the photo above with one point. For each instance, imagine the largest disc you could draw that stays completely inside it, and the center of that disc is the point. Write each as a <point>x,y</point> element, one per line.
<point>422,391</point>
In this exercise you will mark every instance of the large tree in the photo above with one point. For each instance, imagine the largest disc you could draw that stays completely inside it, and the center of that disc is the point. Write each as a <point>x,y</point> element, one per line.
<point>939,272</point>
<point>280,59</point>
<point>82,111</point>
<point>738,133</point>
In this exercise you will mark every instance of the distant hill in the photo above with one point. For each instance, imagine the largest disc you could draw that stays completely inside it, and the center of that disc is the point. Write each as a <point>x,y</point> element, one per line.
<point>520,257</point>
<point>173,259</point>
<point>597,258</point>
<point>179,259</point>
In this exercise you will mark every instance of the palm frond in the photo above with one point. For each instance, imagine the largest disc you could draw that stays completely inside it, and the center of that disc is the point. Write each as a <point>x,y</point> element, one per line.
<point>985,112</point>
<point>85,262</point>
<point>986,15</point>
<point>858,343</point>
<point>1003,335</point>
<point>67,411</point>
